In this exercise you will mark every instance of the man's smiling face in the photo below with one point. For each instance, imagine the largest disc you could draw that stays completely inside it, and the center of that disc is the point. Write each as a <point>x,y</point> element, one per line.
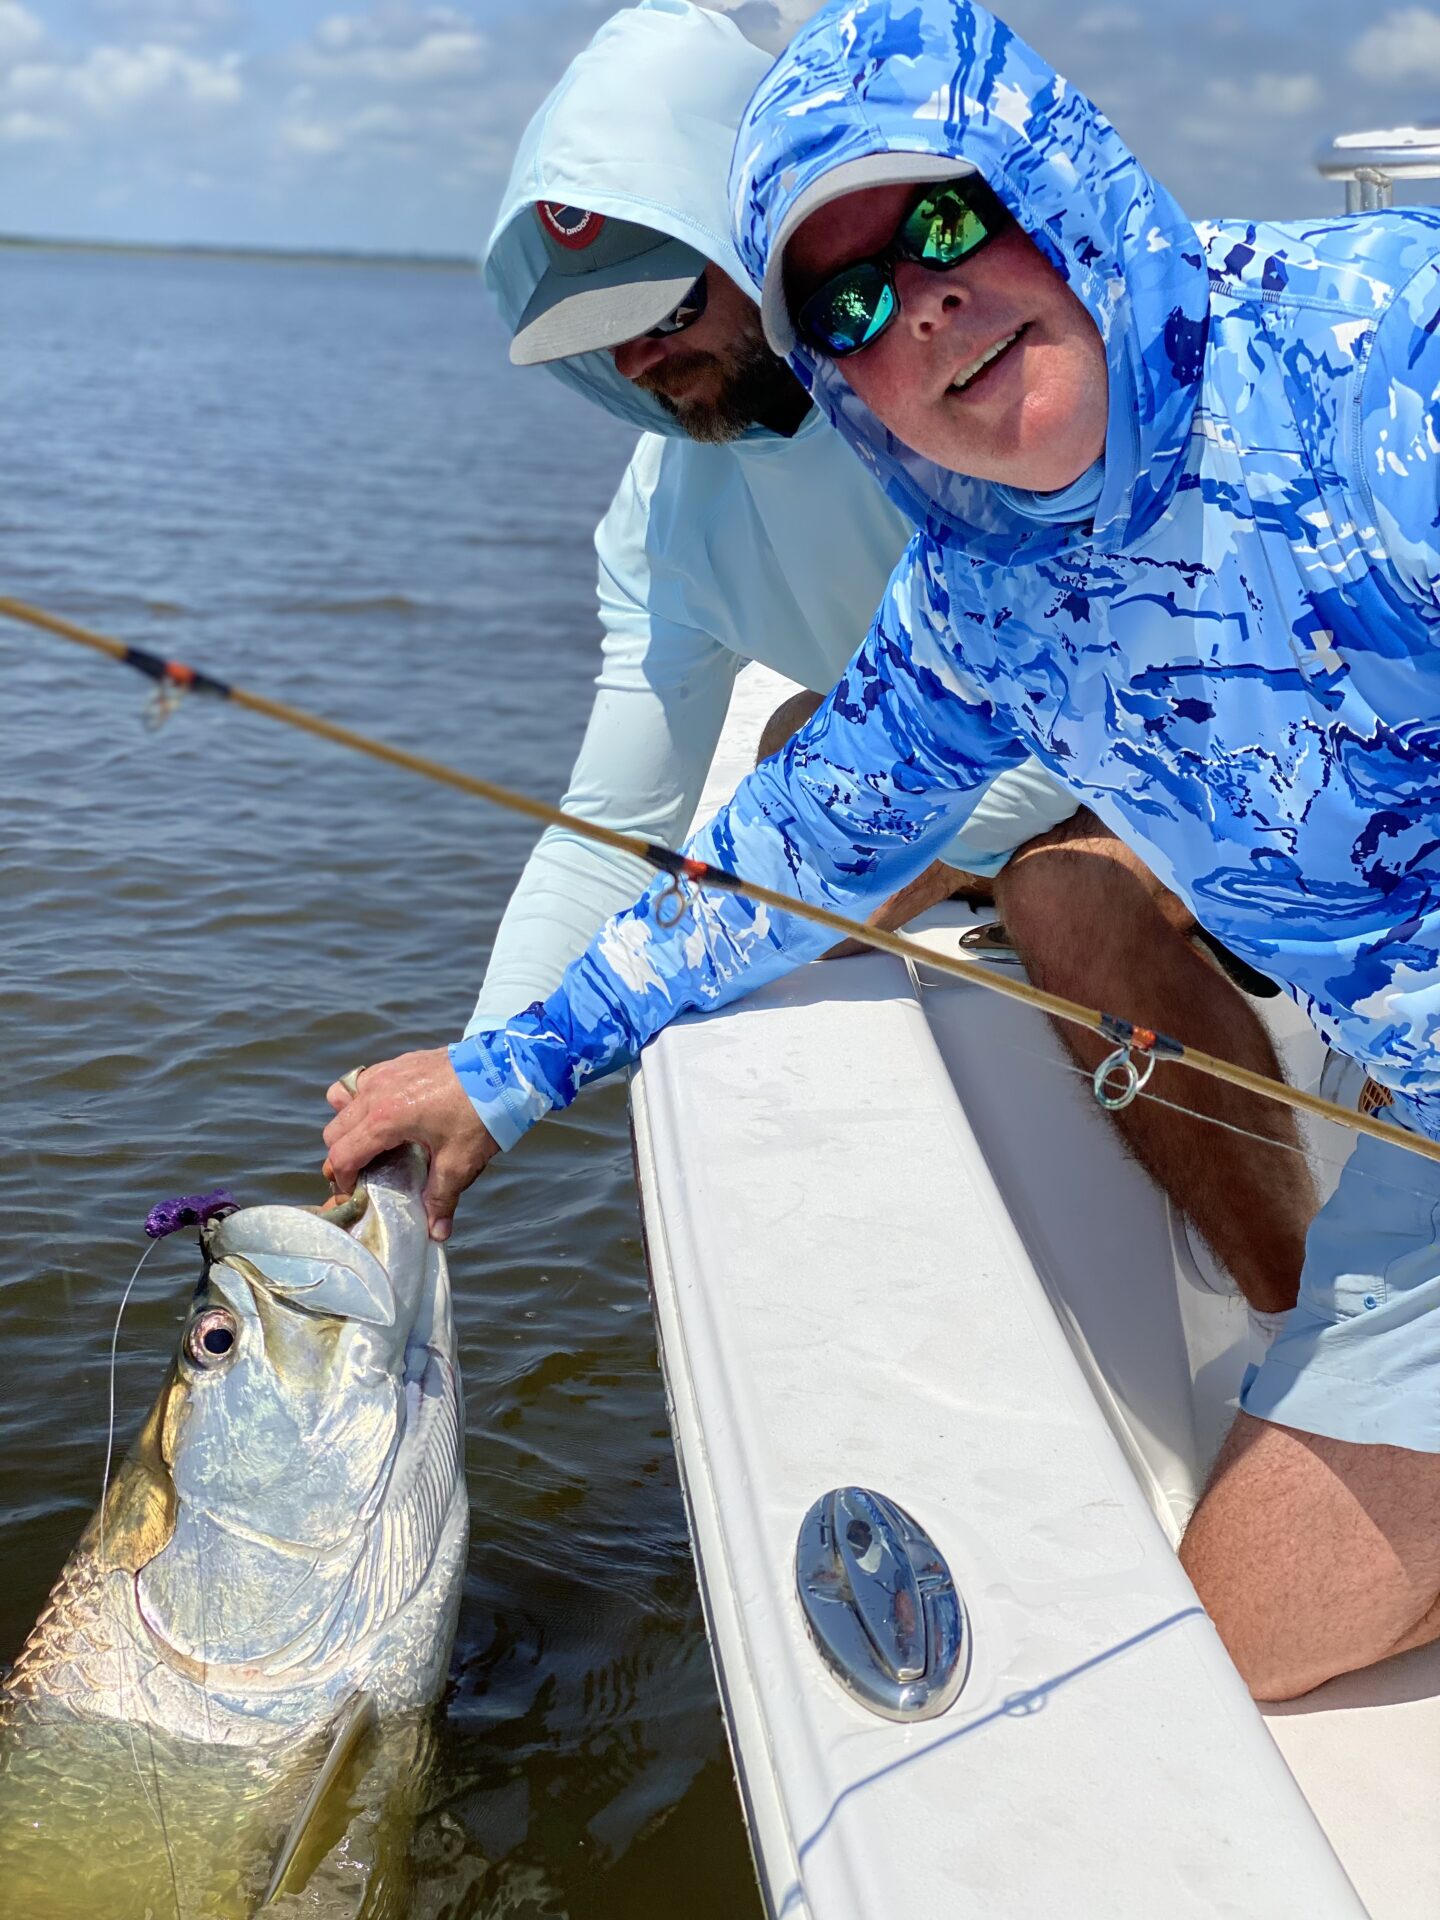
<point>993,369</point>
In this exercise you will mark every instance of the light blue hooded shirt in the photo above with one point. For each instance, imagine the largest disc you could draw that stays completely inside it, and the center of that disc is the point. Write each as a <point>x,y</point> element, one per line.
<point>769,548</point>
<point>1239,663</point>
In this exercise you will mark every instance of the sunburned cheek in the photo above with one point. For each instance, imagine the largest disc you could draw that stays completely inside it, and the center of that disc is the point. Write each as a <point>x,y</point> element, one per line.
<point>1058,423</point>
<point>1075,376</point>
<point>1048,415</point>
<point>873,377</point>
<point>1035,419</point>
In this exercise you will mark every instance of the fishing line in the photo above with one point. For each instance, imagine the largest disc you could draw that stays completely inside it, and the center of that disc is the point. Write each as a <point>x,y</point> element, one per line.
<point>157,1805</point>
<point>174,678</point>
<point>114,1351</point>
<point>1310,1154</point>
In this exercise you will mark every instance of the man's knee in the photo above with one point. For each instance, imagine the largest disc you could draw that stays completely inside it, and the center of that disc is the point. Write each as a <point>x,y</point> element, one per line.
<point>787,719</point>
<point>1032,892</point>
<point>1313,1557</point>
<point>1080,881</point>
<point>1055,884</point>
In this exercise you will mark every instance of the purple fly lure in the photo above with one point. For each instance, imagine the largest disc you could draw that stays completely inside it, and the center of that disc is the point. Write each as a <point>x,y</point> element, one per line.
<point>189,1210</point>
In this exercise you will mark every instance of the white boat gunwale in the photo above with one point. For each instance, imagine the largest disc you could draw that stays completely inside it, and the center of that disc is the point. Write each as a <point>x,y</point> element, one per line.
<point>746,1197</point>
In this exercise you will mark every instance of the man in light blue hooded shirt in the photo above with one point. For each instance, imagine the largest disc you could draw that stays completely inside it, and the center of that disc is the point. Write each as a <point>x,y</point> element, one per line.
<point>1226,638</point>
<point>773,546</point>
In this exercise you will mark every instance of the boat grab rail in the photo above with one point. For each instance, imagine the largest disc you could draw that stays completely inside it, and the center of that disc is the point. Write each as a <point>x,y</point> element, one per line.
<point>1370,163</point>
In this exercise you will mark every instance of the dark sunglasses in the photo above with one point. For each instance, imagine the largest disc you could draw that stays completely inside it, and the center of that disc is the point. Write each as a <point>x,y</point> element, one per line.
<point>684,314</point>
<point>853,307</point>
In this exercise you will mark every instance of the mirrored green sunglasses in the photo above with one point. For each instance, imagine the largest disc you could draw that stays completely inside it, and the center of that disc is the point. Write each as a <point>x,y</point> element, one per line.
<point>853,307</point>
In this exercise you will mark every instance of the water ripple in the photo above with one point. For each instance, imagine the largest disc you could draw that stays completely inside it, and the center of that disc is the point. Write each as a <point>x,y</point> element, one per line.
<point>332,486</point>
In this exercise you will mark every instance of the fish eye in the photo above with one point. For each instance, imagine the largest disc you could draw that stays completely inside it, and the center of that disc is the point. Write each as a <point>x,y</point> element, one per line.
<point>210,1337</point>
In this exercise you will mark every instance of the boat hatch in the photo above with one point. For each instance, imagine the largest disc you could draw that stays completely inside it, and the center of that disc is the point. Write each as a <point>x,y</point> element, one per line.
<point>881,1605</point>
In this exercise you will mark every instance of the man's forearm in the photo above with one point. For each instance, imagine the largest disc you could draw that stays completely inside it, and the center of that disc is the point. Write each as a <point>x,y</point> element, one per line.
<point>569,889</point>
<point>648,743</point>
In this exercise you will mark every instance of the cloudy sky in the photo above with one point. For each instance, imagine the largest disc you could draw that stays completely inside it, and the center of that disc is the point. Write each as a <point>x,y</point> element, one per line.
<point>390,125</point>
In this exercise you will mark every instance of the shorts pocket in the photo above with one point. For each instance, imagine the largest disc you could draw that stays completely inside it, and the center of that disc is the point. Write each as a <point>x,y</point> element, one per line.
<point>1340,1295</point>
<point>1377,1235</point>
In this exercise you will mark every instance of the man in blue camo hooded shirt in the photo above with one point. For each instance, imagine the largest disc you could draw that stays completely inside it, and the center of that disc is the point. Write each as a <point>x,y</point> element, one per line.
<point>1222,632</point>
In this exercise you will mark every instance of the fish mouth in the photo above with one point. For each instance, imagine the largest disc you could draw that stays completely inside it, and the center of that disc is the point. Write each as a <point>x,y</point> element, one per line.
<point>402,1171</point>
<point>977,368</point>
<point>365,1259</point>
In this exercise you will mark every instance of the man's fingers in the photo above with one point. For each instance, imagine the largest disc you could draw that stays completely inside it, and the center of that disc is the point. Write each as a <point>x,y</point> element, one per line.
<point>338,1095</point>
<point>450,1174</point>
<point>358,1146</point>
<point>339,1171</point>
<point>357,1113</point>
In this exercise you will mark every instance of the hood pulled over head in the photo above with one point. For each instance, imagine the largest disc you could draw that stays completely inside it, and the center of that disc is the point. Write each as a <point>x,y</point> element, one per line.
<point>640,128</point>
<point>947,79</point>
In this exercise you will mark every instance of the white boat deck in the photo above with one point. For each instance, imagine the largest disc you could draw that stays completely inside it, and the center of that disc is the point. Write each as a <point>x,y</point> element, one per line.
<point>947,1283</point>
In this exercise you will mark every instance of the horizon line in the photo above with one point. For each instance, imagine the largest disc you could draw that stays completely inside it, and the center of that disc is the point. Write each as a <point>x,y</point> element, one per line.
<point>238,250</point>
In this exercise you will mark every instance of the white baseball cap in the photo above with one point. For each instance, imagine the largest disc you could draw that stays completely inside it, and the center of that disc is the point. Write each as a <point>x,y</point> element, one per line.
<point>606,281</point>
<point>873,170</point>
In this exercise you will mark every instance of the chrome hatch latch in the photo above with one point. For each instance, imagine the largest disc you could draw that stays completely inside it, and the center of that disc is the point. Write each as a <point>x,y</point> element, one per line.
<point>881,1605</point>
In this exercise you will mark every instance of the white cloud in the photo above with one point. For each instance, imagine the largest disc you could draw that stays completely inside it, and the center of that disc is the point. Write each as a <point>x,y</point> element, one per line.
<point>311,137</point>
<point>395,47</point>
<point>27,127</point>
<point>380,124</point>
<point>20,31</point>
<point>167,20</point>
<point>1403,45</point>
<point>398,84</point>
<point>771,24</point>
<point>393,122</point>
<point>381,121</point>
<point>1110,20</point>
<point>110,82</point>
<point>1240,109</point>
<point>1285,94</point>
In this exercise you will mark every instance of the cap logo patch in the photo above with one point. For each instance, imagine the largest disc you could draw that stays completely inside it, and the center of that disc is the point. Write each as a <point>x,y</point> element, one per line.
<point>573,227</point>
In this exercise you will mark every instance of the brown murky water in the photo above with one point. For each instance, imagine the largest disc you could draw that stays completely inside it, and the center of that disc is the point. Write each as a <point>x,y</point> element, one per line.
<point>327,483</point>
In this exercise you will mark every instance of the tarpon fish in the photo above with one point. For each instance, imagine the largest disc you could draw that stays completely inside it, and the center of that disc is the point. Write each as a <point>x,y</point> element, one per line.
<point>266,1599</point>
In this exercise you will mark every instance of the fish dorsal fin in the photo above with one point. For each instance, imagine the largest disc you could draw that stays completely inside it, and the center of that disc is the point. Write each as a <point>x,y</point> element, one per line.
<point>348,1733</point>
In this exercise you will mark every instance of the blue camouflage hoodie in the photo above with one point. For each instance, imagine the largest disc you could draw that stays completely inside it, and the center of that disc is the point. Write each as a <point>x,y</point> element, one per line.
<point>1236,663</point>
